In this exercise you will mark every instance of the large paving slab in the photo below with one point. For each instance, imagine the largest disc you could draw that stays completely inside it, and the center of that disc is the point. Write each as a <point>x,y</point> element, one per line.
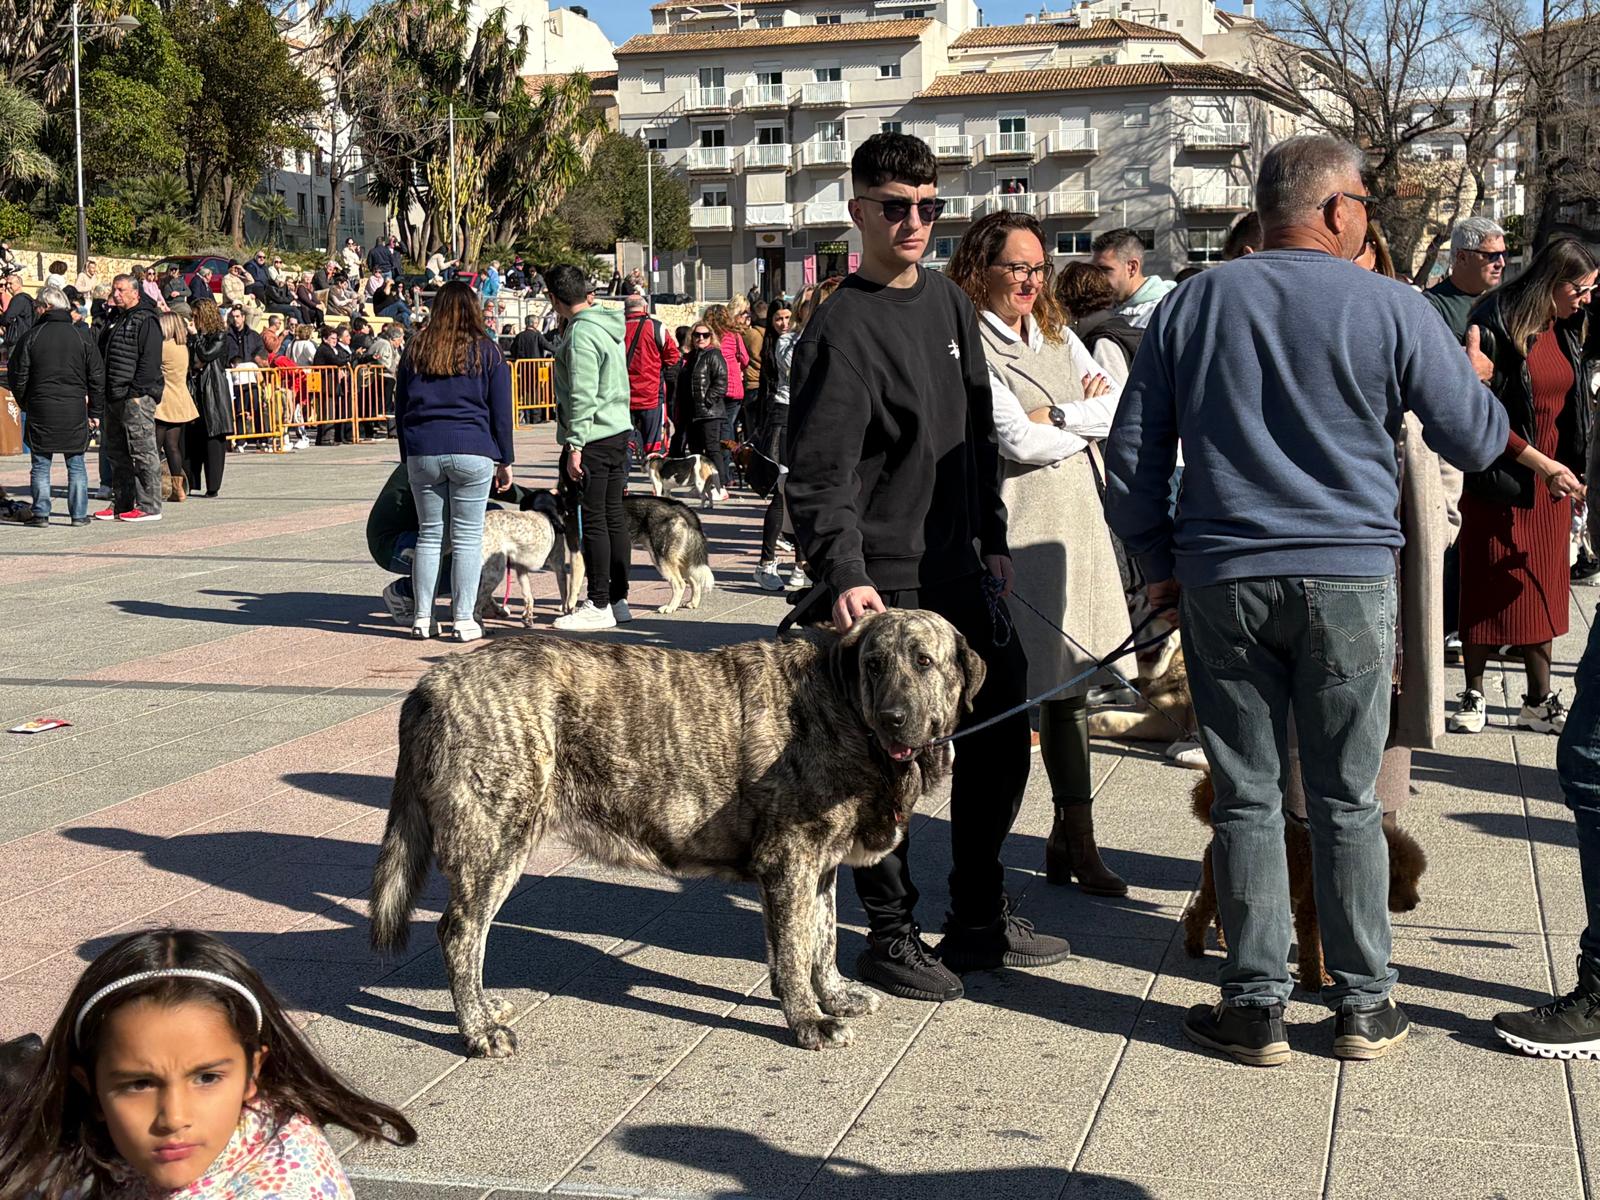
<point>234,683</point>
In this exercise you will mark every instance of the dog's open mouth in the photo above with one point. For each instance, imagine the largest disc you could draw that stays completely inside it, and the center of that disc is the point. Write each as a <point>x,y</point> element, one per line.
<point>898,751</point>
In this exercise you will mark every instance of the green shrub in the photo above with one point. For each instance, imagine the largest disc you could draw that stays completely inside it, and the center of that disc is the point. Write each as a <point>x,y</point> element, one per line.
<point>110,223</point>
<point>15,221</point>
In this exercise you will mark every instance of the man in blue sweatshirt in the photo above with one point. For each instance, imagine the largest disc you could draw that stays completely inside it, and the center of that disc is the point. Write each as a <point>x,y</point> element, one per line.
<point>1285,375</point>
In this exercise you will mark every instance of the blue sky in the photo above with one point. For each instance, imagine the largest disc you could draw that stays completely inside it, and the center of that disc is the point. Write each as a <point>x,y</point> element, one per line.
<point>621,19</point>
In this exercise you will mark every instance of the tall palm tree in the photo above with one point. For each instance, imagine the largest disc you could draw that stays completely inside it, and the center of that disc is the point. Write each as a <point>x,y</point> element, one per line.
<point>272,211</point>
<point>21,120</point>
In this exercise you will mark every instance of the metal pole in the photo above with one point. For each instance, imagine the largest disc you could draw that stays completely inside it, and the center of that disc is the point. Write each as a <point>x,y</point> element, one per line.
<point>650,219</point>
<point>454,253</point>
<point>77,125</point>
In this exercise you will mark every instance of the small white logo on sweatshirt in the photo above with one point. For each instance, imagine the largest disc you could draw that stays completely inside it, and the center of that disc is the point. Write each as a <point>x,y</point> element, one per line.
<point>955,350</point>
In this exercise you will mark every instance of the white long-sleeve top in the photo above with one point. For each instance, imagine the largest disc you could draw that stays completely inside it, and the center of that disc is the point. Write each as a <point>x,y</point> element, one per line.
<point>1035,444</point>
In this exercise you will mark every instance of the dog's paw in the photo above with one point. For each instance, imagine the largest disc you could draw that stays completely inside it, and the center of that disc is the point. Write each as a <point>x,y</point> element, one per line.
<point>501,611</point>
<point>527,621</point>
<point>496,1042</point>
<point>851,1001</point>
<point>667,608</point>
<point>826,1033</point>
<point>501,1011</point>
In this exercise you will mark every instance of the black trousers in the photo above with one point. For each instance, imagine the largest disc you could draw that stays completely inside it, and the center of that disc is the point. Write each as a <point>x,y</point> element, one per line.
<point>206,456</point>
<point>705,437</point>
<point>773,439</point>
<point>986,787</point>
<point>607,553</point>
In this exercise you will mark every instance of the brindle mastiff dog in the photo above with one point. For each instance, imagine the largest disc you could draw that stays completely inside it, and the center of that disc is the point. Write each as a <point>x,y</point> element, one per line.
<point>771,761</point>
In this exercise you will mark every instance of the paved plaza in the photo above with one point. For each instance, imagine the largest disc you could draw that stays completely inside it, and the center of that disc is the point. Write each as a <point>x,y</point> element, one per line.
<point>233,684</point>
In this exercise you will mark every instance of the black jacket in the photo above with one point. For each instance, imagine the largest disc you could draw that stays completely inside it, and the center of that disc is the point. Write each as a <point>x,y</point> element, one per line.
<point>1508,481</point>
<point>257,271</point>
<point>243,344</point>
<point>705,380</point>
<point>131,347</point>
<point>53,372</point>
<point>1109,324</point>
<point>199,289</point>
<point>530,343</point>
<point>208,381</point>
<point>17,319</point>
<point>330,356</point>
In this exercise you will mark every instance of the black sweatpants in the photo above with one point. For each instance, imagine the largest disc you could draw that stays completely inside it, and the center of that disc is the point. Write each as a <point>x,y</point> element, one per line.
<point>607,553</point>
<point>705,437</point>
<point>986,787</point>
<point>773,440</point>
<point>205,457</point>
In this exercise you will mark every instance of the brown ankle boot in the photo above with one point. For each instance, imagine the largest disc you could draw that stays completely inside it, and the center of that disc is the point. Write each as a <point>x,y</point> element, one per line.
<point>1071,853</point>
<point>180,491</point>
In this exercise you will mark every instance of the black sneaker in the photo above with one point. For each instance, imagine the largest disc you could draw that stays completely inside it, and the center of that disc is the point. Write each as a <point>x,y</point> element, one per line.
<point>1586,569</point>
<point>904,966</point>
<point>37,522</point>
<point>1251,1034</point>
<point>1371,1032</point>
<point>1565,1028</point>
<point>1008,942</point>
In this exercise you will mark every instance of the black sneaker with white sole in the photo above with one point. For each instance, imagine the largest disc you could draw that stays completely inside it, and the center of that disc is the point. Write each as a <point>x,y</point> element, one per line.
<point>903,966</point>
<point>1007,942</point>
<point>1565,1028</point>
<point>1371,1032</point>
<point>1252,1034</point>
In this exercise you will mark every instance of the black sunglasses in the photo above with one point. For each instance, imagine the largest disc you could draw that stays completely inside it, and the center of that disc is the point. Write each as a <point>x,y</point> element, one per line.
<point>1490,255</point>
<point>697,335</point>
<point>895,211</point>
<point>1366,201</point>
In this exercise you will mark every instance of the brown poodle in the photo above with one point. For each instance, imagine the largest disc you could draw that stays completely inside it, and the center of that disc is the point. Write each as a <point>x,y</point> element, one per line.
<point>1407,862</point>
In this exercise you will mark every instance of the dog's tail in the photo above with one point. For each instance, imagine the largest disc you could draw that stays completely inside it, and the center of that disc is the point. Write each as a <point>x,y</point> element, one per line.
<point>703,581</point>
<point>407,845</point>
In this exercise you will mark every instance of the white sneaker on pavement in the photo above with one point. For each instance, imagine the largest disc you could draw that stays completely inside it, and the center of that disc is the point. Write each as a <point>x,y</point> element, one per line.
<point>399,606</point>
<point>423,629</point>
<point>769,579</point>
<point>1469,716</point>
<point>586,618</point>
<point>785,547</point>
<point>798,580</point>
<point>621,611</point>
<point>466,631</point>
<point>1543,716</point>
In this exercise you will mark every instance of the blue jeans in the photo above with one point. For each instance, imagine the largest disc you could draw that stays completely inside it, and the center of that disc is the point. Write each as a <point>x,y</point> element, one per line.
<point>404,559</point>
<point>1323,649</point>
<point>1578,767</point>
<point>77,486</point>
<point>459,484</point>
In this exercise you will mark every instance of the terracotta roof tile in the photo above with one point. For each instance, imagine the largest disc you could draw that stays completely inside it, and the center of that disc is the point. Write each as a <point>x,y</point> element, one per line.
<point>1179,76</point>
<point>1061,33</point>
<point>601,83</point>
<point>783,35</point>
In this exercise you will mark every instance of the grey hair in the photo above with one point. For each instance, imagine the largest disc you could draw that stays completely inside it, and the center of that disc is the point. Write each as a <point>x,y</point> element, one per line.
<point>635,303</point>
<point>1298,173</point>
<point>54,297</point>
<point>1473,232</point>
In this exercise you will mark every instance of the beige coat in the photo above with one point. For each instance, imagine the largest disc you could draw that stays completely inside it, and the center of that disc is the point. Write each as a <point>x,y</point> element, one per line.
<point>177,406</point>
<point>1429,491</point>
<point>1060,545</point>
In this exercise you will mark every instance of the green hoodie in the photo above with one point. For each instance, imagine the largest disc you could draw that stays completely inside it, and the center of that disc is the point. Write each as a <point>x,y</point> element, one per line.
<point>592,378</point>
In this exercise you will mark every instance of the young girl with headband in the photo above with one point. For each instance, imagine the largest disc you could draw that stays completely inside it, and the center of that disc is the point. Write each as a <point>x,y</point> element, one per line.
<point>174,1072</point>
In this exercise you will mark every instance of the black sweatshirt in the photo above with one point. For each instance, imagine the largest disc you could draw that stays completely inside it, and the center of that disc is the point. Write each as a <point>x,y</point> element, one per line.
<point>894,471</point>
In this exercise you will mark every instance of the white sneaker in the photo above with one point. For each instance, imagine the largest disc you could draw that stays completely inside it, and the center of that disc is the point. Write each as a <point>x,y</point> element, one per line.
<point>1546,716</point>
<point>399,606</point>
<point>785,547</point>
<point>586,618</point>
<point>466,631</point>
<point>798,580</point>
<point>621,611</point>
<point>769,579</point>
<point>423,629</point>
<point>1469,715</point>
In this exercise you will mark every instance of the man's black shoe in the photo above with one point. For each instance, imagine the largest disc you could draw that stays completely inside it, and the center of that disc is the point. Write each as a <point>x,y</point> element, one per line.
<point>1008,942</point>
<point>904,966</point>
<point>1251,1034</point>
<point>1371,1032</point>
<point>37,522</point>
<point>1565,1028</point>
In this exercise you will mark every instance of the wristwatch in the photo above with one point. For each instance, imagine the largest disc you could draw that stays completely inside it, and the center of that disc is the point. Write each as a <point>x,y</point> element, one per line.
<point>1058,416</point>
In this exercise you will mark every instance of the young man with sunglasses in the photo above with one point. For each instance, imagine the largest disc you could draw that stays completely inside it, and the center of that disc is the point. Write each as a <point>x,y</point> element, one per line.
<point>894,491</point>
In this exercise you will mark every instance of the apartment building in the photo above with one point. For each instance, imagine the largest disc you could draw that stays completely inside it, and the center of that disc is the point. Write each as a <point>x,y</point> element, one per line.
<point>1089,122</point>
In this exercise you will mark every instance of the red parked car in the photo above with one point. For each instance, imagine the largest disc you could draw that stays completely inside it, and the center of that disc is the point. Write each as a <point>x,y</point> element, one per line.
<point>188,264</point>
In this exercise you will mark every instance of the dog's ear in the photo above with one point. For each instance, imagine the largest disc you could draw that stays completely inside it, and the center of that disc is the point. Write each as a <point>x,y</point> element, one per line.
<point>844,660</point>
<point>972,670</point>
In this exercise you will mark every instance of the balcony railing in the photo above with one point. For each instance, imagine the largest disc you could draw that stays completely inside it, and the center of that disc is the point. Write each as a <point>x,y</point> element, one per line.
<point>1208,135</point>
<point>763,155</point>
<point>768,216</point>
<point>1212,198</point>
<point>824,153</point>
<point>953,148</point>
<point>710,216</point>
<point>835,94</point>
<point>1073,141</point>
<point>825,212</point>
<point>1018,144</point>
<point>765,95</point>
<point>1022,202</point>
<point>709,158</point>
<point>957,208</point>
<point>1070,204</point>
<point>706,99</point>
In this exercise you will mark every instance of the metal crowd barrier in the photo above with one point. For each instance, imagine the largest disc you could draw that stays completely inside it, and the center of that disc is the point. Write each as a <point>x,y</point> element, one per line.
<point>270,401</point>
<point>533,390</point>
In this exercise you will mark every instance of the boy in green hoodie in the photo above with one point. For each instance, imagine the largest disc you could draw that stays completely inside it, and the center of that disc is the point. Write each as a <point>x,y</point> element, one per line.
<point>592,425</point>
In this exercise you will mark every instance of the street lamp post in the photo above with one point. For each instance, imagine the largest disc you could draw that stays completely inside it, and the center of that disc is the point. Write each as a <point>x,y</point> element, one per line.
<point>126,23</point>
<point>650,219</point>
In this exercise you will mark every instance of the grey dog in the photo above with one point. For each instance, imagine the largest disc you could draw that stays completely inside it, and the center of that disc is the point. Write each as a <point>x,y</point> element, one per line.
<point>768,761</point>
<point>671,531</point>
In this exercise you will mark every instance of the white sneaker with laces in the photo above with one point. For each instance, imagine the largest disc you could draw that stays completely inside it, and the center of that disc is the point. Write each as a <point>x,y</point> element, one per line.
<point>399,606</point>
<point>1543,716</point>
<point>586,618</point>
<point>769,579</point>
<point>1470,714</point>
<point>423,629</point>
<point>466,631</point>
<point>798,580</point>
<point>785,547</point>
<point>621,611</point>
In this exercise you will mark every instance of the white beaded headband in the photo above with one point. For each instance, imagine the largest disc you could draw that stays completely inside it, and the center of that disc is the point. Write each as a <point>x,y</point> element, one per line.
<point>165,973</point>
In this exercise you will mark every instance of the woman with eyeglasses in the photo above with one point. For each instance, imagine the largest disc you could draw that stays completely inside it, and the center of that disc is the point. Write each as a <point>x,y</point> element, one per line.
<point>1051,404</point>
<point>704,381</point>
<point>1516,517</point>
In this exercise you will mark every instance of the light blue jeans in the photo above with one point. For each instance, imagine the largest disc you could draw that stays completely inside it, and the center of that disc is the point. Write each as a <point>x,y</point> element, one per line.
<point>1257,650</point>
<point>77,485</point>
<point>457,484</point>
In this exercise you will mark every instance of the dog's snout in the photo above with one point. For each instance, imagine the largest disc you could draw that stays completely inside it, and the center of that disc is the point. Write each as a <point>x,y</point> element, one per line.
<point>893,718</point>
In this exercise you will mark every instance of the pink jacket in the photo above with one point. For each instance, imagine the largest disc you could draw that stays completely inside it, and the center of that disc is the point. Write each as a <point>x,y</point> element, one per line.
<point>736,355</point>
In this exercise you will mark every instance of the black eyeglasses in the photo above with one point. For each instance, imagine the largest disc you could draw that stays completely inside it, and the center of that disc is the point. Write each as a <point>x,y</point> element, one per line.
<point>1021,272</point>
<point>895,211</point>
<point>1490,255</point>
<point>700,337</point>
<point>1366,201</point>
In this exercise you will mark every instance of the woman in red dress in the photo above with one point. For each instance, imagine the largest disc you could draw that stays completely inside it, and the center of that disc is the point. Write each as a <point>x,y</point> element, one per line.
<point>1516,517</point>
